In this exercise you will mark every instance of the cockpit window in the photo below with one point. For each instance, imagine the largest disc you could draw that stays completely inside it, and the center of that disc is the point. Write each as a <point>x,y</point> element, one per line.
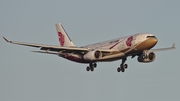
<point>150,37</point>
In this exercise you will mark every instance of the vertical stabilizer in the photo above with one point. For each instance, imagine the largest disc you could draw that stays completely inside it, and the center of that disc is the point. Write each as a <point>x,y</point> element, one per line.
<point>63,36</point>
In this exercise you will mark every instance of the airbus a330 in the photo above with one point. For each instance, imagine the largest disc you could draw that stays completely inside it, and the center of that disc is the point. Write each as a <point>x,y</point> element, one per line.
<point>139,45</point>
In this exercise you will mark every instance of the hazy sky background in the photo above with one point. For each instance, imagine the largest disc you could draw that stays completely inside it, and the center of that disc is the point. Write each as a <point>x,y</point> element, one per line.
<point>28,76</point>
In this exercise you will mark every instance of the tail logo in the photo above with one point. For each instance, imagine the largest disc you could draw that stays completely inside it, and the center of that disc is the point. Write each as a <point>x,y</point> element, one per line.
<point>61,38</point>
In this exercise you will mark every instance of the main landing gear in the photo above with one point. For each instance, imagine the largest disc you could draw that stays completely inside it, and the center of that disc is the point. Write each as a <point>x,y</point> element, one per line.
<point>91,67</point>
<point>122,66</point>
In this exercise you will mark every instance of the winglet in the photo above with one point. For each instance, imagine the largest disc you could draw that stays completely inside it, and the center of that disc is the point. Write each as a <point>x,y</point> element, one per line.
<point>7,40</point>
<point>173,46</point>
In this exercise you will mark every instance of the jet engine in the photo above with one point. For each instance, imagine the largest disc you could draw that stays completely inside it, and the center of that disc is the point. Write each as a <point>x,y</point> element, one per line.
<point>147,57</point>
<point>93,55</point>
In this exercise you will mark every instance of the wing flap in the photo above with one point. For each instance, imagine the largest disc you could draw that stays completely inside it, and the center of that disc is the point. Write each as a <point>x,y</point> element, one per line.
<point>55,53</point>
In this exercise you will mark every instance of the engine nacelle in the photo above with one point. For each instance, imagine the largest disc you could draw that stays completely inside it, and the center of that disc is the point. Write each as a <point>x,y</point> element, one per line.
<point>147,57</point>
<point>93,55</point>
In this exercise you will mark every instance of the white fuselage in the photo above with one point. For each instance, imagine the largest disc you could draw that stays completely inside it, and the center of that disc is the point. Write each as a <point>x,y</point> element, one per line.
<point>123,46</point>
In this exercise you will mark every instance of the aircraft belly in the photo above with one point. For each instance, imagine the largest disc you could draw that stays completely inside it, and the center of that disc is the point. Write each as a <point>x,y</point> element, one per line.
<point>74,58</point>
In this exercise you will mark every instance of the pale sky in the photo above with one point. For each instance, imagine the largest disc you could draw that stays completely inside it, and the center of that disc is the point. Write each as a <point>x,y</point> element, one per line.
<point>28,76</point>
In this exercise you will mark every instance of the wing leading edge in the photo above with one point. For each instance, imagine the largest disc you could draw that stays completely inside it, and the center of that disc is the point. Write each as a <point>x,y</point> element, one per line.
<point>163,49</point>
<point>55,49</point>
<point>47,47</point>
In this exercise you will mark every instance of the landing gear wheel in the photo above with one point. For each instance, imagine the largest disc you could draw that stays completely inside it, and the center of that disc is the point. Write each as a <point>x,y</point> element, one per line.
<point>95,65</point>
<point>122,69</point>
<point>92,69</point>
<point>118,69</point>
<point>91,65</point>
<point>125,66</point>
<point>88,68</point>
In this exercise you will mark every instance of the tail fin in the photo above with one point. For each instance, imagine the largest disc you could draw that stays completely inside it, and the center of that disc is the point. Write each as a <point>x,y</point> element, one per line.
<point>63,36</point>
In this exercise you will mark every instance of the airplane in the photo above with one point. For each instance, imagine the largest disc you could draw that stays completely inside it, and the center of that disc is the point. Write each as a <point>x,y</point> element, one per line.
<point>139,45</point>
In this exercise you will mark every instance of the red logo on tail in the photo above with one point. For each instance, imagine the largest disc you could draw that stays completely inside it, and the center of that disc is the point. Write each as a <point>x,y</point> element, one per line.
<point>61,38</point>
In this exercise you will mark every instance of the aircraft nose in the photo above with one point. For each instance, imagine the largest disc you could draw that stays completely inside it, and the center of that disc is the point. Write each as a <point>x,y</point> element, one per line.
<point>147,44</point>
<point>154,40</point>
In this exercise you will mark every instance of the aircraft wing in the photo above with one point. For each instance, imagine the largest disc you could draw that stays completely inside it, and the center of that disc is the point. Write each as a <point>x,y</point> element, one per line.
<point>163,49</point>
<point>55,49</point>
